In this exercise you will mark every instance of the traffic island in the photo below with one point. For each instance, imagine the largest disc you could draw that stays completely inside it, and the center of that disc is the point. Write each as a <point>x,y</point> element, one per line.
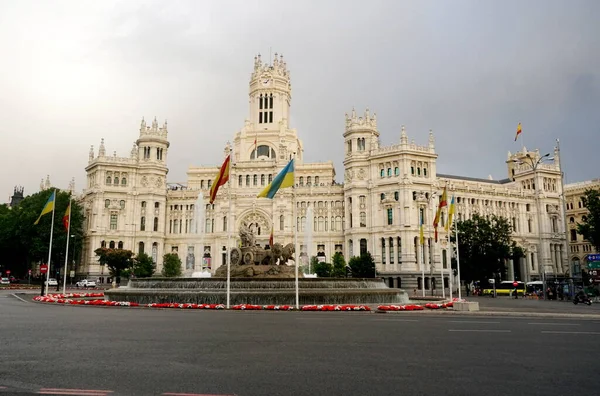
<point>466,306</point>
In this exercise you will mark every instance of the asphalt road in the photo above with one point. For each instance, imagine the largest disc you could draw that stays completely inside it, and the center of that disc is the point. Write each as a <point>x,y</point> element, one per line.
<point>126,351</point>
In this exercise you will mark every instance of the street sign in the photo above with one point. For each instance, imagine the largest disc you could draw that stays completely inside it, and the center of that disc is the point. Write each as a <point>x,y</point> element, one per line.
<point>44,268</point>
<point>7,272</point>
<point>72,274</point>
<point>515,284</point>
<point>594,265</point>
<point>593,257</point>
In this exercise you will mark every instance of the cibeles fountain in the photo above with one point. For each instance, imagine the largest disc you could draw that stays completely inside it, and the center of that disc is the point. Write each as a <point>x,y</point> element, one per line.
<point>261,276</point>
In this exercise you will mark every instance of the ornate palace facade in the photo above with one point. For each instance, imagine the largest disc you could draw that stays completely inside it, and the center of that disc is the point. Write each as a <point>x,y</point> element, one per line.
<point>128,202</point>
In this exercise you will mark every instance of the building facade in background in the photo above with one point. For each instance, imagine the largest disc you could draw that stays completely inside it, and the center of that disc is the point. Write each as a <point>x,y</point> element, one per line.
<point>129,204</point>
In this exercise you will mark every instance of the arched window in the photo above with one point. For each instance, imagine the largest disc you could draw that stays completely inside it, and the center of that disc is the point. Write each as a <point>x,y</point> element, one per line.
<point>308,180</point>
<point>389,172</point>
<point>382,196</point>
<point>140,247</point>
<point>143,204</point>
<point>281,222</point>
<point>571,220</point>
<point>123,181</point>
<point>270,178</point>
<point>240,180</point>
<point>396,195</point>
<point>106,203</point>
<point>156,224</point>
<point>396,171</point>
<point>262,180</point>
<point>382,173</point>
<point>255,180</point>
<point>103,244</point>
<point>120,245</point>
<point>122,204</point>
<point>143,223</point>
<point>116,181</point>
<point>224,223</point>
<point>301,181</point>
<point>391,250</point>
<point>363,219</point>
<point>316,180</point>
<point>263,151</point>
<point>247,180</point>
<point>111,245</point>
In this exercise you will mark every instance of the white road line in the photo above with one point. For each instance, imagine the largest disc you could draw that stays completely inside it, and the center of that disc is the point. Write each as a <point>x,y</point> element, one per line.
<point>472,321</point>
<point>554,324</point>
<point>571,332</point>
<point>14,295</point>
<point>480,330</point>
<point>395,320</point>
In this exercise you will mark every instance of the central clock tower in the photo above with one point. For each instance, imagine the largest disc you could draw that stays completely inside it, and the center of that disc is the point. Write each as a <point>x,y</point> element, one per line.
<point>270,94</point>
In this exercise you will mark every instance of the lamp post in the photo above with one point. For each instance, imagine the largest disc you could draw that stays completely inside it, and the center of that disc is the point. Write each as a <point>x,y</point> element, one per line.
<point>564,213</point>
<point>534,163</point>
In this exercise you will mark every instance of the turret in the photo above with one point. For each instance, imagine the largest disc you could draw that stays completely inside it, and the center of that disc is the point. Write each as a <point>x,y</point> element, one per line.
<point>152,144</point>
<point>361,134</point>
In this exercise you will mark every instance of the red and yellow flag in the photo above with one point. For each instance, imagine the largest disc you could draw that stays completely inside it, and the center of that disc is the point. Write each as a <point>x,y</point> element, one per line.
<point>519,131</point>
<point>67,217</point>
<point>438,214</point>
<point>221,179</point>
<point>271,238</point>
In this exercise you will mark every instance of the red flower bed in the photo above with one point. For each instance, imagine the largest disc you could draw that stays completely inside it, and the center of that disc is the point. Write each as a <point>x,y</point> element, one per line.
<point>335,308</point>
<point>409,307</point>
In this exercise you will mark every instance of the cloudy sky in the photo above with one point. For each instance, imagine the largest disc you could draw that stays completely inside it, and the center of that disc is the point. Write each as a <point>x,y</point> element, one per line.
<point>73,72</point>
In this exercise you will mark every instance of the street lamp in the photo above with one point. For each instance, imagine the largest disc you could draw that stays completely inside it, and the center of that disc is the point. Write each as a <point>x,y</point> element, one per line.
<point>534,163</point>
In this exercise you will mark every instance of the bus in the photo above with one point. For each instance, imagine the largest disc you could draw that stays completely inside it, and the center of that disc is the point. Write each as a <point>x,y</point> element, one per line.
<point>505,288</point>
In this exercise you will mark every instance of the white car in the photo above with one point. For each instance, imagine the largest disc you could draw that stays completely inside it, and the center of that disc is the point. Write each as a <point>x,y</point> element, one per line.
<point>86,283</point>
<point>4,281</point>
<point>51,282</point>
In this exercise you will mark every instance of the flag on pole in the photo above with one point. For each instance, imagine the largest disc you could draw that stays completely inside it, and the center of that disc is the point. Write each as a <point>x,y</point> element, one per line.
<point>450,214</point>
<point>284,179</point>
<point>255,145</point>
<point>67,217</point>
<point>519,131</point>
<point>222,178</point>
<point>271,238</point>
<point>421,233</point>
<point>436,221</point>
<point>49,207</point>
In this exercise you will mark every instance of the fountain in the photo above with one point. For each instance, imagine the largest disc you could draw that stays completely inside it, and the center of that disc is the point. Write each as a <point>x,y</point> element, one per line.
<point>258,276</point>
<point>308,230</point>
<point>199,216</point>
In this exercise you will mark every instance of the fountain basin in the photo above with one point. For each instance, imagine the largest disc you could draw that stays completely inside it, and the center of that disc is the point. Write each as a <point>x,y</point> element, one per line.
<point>259,291</point>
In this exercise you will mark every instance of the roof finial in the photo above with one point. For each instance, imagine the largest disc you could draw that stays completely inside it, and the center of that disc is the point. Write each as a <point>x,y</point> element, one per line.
<point>102,149</point>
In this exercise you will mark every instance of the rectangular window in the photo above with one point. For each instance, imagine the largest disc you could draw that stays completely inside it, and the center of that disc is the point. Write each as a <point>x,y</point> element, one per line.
<point>390,216</point>
<point>260,117</point>
<point>113,221</point>
<point>391,250</point>
<point>270,116</point>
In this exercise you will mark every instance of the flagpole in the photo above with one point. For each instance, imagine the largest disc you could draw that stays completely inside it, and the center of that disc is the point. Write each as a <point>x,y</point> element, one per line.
<point>422,241</point>
<point>50,247</point>
<point>230,223</point>
<point>448,236</point>
<point>67,249</point>
<point>457,261</point>
<point>295,225</point>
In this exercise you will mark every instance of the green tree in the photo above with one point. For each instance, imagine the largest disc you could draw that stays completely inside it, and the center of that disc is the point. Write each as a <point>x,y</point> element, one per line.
<point>484,246</point>
<point>24,244</point>
<point>143,266</point>
<point>322,269</point>
<point>362,266</point>
<point>589,228</point>
<point>339,266</point>
<point>117,260</point>
<point>171,265</point>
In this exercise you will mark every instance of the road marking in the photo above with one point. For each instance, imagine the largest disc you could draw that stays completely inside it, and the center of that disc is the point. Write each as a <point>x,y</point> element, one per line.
<point>395,320</point>
<point>555,324</point>
<point>480,330</point>
<point>472,321</point>
<point>571,332</point>
<point>14,295</point>
<point>74,392</point>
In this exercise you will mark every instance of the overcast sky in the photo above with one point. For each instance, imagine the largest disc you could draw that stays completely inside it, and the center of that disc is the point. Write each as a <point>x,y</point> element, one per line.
<point>72,72</point>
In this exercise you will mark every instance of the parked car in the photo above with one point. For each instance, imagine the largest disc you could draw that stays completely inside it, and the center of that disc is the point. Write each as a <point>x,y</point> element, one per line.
<point>86,283</point>
<point>51,282</point>
<point>4,281</point>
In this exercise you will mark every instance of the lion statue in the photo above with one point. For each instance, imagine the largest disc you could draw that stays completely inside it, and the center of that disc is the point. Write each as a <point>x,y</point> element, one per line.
<point>276,252</point>
<point>287,253</point>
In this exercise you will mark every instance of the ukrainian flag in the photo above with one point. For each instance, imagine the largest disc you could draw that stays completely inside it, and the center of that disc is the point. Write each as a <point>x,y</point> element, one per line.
<point>49,207</point>
<point>284,179</point>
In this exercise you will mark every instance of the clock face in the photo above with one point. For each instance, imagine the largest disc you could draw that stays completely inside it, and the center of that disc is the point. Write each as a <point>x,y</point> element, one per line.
<point>265,80</point>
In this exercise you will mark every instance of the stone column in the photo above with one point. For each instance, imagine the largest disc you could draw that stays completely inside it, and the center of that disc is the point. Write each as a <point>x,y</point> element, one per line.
<point>511,270</point>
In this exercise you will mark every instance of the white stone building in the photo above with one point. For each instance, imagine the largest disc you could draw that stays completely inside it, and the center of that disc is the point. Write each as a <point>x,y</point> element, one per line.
<point>128,202</point>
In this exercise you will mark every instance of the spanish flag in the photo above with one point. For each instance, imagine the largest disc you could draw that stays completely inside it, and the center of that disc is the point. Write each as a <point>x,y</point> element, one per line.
<point>438,214</point>
<point>221,179</point>
<point>271,238</point>
<point>49,207</point>
<point>519,131</point>
<point>67,217</point>
<point>421,233</point>
<point>284,179</point>
<point>450,214</point>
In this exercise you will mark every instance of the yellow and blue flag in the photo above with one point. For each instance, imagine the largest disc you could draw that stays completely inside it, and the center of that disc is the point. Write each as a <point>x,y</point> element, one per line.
<point>450,214</point>
<point>49,207</point>
<point>284,179</point>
